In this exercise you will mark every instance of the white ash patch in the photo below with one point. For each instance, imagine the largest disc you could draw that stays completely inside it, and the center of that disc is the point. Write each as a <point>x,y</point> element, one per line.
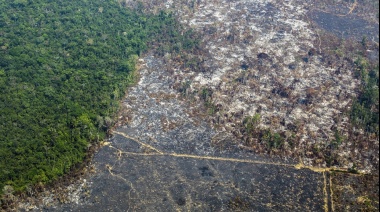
<point>75,193</point>
<point>237,32</point>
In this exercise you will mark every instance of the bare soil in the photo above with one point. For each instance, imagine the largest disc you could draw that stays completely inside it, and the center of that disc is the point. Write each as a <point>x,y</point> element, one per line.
<point>181,144</point>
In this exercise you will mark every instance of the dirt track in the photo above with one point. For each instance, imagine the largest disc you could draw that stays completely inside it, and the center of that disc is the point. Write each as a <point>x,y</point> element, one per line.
<point>145,168</point>
<point>167,157</point>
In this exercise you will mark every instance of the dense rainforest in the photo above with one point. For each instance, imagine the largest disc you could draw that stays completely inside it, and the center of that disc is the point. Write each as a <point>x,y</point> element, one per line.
<point>64,65</point>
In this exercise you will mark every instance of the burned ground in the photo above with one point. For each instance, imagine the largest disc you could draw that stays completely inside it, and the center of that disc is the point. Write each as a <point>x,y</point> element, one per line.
<point>249,121</point>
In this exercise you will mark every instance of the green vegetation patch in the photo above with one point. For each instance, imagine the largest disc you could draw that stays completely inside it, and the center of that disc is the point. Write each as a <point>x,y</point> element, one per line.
<point>365,110</point>
<point>63,67</point>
